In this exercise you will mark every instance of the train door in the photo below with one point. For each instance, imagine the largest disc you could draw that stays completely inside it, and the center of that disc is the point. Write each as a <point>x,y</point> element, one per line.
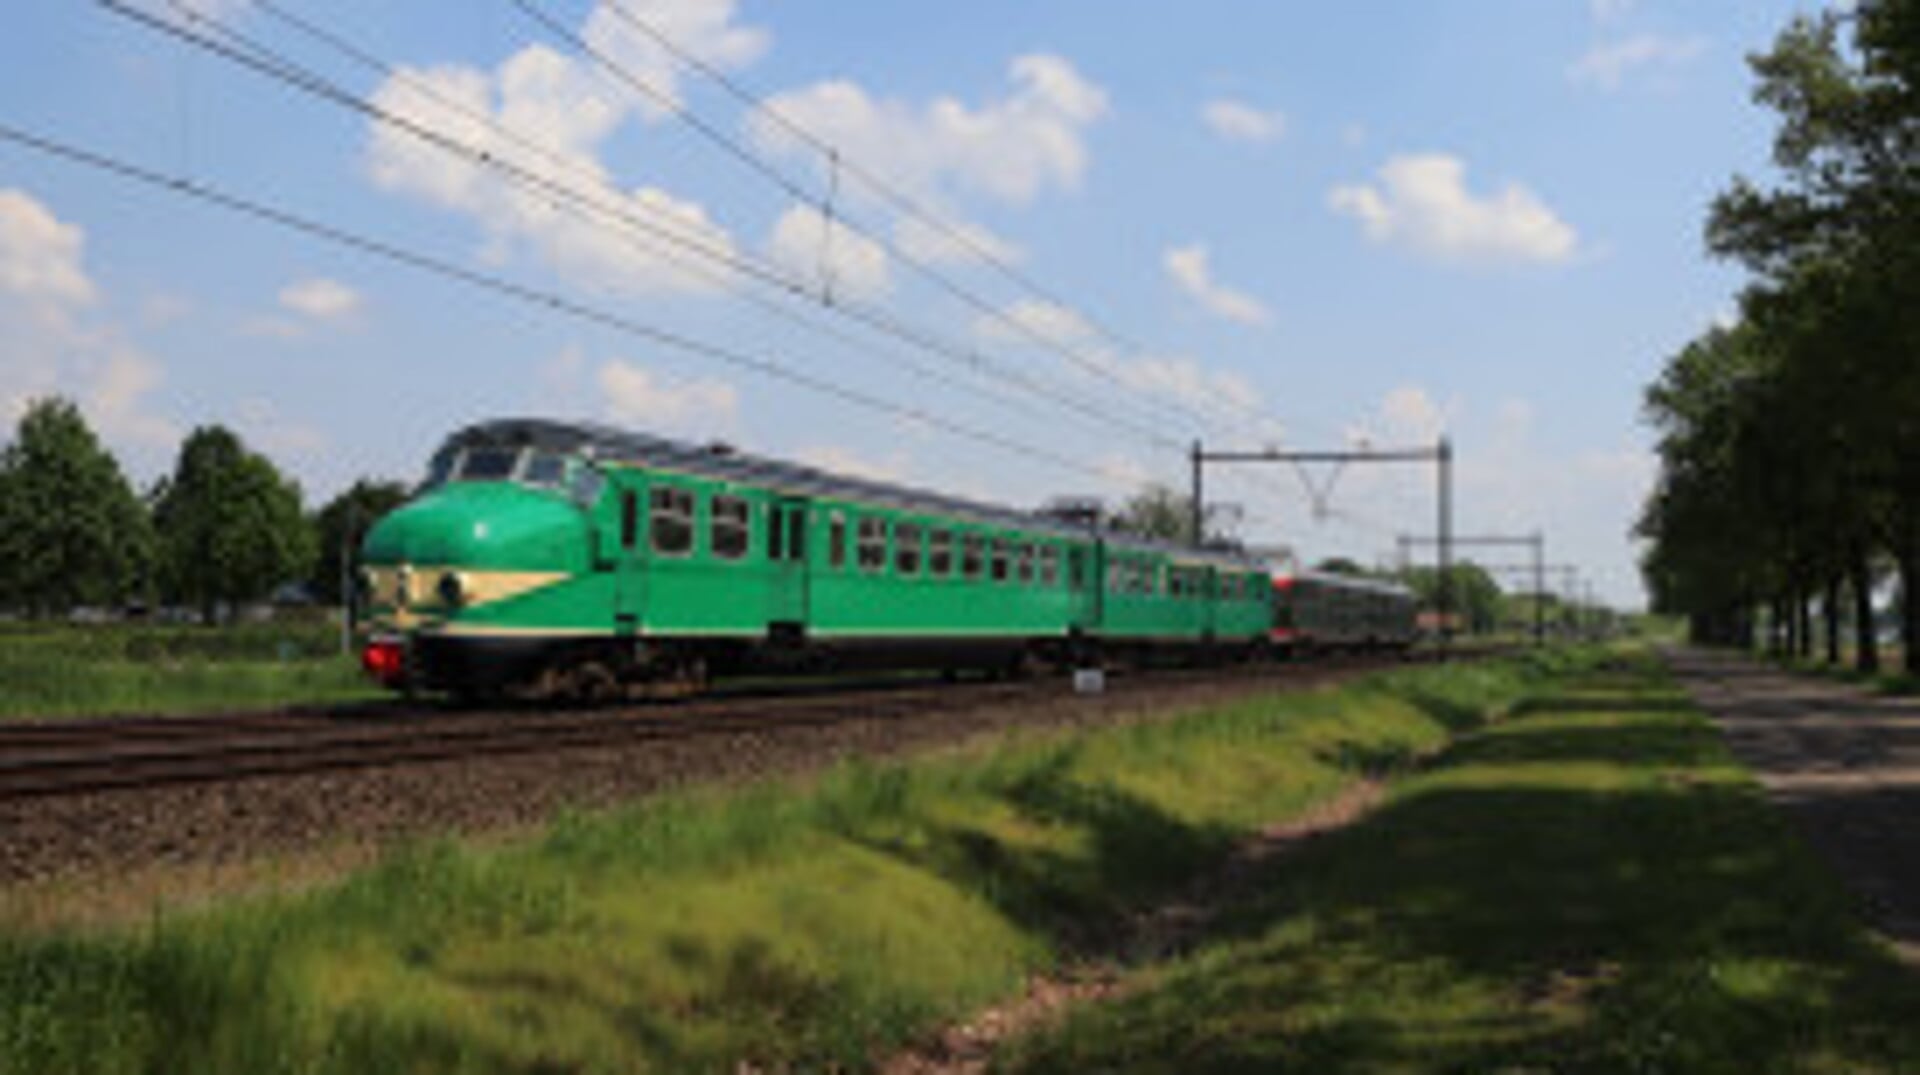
<point>625,547</point>
<point>1084,587</point>
<point>787,566</point>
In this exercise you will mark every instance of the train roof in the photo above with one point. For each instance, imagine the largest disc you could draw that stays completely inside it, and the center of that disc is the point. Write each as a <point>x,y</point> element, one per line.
<point>722,462</point>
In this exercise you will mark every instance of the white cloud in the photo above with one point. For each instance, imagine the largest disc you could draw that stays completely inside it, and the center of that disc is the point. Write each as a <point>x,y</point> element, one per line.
<point>1188,381</point>
<point>838,459</point>
<point>1609,10</point>
<point>703,28</point>
<point>1407,415</point>
<point>835,260</point>
<point>320,299</point>
<point>1237,121</point>
<point>1011,150</point>
<point>271,432</point>
<point>1050,327</point>
<point>951,242</point>
<point>1190,268</point>
<point>1607,65</point>
<point>636,396</point>
<point>40,257</point>
<point>50,344</point>
<point>1028,318</point>
<point>557,113</point>
<point>1422,202</point>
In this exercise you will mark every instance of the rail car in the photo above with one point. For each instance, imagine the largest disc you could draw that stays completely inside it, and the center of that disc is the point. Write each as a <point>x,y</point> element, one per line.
<point>1317,611</point>
<point>569,559</point>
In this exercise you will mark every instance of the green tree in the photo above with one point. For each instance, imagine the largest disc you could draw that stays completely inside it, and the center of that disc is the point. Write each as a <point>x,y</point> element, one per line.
<point>1835,248</point>
<point>1475,596</point>
<point>1343,565</point>
<point>72,532</point>
<point>342,524</point>
<point>1157,512</point>
<point>230,526</point>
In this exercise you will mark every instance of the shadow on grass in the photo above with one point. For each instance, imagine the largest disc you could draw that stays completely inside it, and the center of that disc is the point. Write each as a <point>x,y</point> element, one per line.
<point>1076,898</point>
<point>1475,925</point>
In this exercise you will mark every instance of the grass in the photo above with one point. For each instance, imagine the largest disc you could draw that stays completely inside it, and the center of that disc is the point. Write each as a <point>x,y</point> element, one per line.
<point>60,670</point>
<point>799,925</point>
<point>1591,886</point>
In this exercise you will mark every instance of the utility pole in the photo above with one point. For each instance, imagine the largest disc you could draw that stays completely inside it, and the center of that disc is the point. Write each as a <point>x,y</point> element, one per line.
<point>1441,455</point>
<point>1443,592</point>
<point>1197,532</point>
<point>346,577</point>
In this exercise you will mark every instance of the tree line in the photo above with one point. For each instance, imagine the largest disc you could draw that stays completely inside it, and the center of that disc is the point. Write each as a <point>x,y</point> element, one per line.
<point>223,529</point>
<point>1789,441</point>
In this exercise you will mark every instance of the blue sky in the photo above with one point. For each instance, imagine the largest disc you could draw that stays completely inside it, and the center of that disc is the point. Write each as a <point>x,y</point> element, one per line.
<point>1297,223</point>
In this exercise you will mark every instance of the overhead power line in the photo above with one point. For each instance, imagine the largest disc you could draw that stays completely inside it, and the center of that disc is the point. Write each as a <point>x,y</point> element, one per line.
<point>262,60</point>
<point>738,151</point>
<point>551,301</point>
<point>887,191</point>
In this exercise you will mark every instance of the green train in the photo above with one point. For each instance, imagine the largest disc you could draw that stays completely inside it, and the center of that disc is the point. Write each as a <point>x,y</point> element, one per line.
<point>560,559</point>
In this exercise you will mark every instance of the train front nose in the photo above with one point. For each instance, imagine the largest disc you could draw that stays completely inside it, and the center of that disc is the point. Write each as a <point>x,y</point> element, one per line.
<point>459,563</point>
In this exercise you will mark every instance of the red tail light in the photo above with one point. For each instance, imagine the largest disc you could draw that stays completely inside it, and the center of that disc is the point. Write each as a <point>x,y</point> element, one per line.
<point>385,659</point>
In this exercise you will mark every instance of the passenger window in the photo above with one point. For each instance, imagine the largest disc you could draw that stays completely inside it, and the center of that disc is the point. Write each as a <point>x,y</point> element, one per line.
<point>873,544</point>
<point>940,553</point>
<point>728,531</point>
<point>972,555</point>
<point>906,549</point>
<point>671,522</point>
<point>837,541</point>
<point>1026,562</point>
<point>999,559</point>
<point>1076,568</point>
<point>1049,566</point>
<point>776,545</point>
<point>796,532</point>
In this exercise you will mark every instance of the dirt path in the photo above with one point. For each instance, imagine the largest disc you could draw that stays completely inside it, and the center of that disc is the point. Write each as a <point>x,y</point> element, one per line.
<point>1844,764</point>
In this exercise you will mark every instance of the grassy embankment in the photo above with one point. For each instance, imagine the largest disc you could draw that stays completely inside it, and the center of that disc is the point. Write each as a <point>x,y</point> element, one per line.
<point>1592,886</point>
<point>62,670</point>
<point>804,923</point>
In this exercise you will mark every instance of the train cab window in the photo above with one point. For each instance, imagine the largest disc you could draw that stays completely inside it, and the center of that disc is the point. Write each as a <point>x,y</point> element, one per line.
<point>1026,561</point>
<point>1049,566</point>
<point>940,553</point>
<point>440,468</point>
<point>873,544</point>
<point>837,541</point>
<point>544,468</point>
<point>670,521</point>
<point>906,549</point>
<point>1000,559</point>
<point>973,559</point>
<point>488,464</point>
<point>728,531</point>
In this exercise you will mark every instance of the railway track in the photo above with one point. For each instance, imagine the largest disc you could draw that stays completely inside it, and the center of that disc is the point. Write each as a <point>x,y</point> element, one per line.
<point>82,757</point>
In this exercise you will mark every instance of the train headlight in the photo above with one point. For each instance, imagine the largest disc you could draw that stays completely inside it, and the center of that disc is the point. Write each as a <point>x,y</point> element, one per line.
<point>453,589</point>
